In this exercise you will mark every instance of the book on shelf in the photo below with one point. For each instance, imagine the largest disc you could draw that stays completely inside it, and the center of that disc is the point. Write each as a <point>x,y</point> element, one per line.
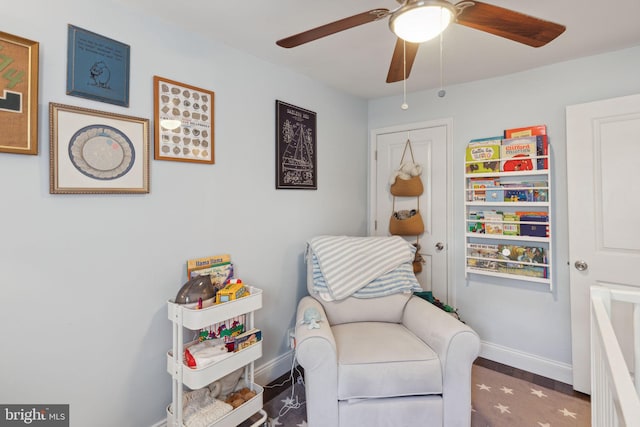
<point>511,226</point>
<point>520,260</point>
<point>518,154</point>
<point>524,270</point>
<point>525,131</point>
<point>539,132</point>
<point>476,222</point>
<point>493,222</point>
<point>528,226</point>
<point>479,188</point>
<point>483,155</point>
<point>542,149</point>
<point>522,254</point>
<point>526,191</point>
<point>482,256</point>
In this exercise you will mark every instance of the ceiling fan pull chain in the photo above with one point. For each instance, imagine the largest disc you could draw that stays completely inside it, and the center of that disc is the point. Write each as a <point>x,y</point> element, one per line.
<point>404,105</point>
<point>441,92</point>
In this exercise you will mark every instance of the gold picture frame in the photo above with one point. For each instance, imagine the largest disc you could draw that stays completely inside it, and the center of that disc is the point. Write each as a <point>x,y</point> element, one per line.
<point>18,94</point>
<point>183,122</point>
<point>95,152</point>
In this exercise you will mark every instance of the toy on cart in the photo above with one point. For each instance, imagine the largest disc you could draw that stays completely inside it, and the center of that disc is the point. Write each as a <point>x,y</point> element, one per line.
<point>234,289</point>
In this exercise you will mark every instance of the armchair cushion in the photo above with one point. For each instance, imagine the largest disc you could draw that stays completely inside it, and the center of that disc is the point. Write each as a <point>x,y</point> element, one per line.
<point>377,359</point>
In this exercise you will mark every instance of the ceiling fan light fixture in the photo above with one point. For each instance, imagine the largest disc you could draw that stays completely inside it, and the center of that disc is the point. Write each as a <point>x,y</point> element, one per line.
<point>420,21</point>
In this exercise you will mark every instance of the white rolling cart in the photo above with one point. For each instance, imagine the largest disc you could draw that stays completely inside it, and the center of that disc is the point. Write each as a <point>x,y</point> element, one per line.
<point>194,319</point>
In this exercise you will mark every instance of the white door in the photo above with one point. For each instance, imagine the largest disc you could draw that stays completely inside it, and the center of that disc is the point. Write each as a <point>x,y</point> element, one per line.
<point>430,143</point>
<point>603,151</point>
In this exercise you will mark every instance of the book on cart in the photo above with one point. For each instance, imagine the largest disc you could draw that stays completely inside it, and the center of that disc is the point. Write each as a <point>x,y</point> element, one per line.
<point>247,339</point>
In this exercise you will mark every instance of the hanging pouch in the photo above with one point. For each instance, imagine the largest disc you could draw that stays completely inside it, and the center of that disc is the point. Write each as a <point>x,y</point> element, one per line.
<point>407,181</point>
<point>411,187</point>
<point>406,223</point>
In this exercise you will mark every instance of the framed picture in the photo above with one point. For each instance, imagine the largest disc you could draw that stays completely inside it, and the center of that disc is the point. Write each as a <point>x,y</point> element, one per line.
<point>94,152</point>
<point>296,160</point>
<point>18,94</point>
<point>97,67</point>
<point>183,122</point>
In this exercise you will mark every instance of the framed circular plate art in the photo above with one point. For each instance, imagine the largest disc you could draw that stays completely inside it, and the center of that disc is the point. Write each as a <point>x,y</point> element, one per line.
<point>101,152</point>
<point>97,152</point>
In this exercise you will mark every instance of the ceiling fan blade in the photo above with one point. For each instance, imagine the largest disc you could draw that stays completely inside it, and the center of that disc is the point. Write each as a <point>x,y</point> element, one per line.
<point>333,27</point>
<point>507,23</point>
<point>397,71</point>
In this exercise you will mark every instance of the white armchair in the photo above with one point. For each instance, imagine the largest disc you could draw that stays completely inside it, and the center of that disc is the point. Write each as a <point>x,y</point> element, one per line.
<point>395,361</point>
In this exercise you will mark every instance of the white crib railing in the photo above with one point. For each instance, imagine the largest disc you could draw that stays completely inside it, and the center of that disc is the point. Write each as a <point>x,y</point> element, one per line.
<point>614,399</point>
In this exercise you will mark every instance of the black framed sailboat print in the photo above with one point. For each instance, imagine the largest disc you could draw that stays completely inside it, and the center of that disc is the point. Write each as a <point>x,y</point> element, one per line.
<point>296,160</point>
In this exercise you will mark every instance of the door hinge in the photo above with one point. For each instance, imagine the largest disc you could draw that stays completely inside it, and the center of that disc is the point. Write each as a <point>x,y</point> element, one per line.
<point>375,224</point>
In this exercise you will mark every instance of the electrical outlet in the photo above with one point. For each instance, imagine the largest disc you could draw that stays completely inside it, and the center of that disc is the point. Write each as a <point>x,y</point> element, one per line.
<point>291,336</point>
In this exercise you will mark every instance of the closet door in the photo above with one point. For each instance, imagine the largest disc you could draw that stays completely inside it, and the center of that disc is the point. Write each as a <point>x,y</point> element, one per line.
<point>429,142</point>
<point>604,240</point>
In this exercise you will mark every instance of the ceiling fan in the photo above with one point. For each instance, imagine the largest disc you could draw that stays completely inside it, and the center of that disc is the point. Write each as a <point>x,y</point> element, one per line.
<point>429,18</point>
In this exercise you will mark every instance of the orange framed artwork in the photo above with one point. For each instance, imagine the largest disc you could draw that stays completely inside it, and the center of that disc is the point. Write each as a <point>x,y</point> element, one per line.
<point>18,94</point>
<point>184,122</point>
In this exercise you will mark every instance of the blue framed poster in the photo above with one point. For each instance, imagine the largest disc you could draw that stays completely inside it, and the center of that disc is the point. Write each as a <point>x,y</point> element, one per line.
<point>97,67</point>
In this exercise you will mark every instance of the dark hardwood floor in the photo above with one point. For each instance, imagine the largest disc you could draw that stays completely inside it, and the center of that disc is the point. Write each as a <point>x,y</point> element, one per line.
<point>532,378</point>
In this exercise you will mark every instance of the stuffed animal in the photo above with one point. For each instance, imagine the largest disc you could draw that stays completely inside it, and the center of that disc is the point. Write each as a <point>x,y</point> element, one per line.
<point>311,317</point>
<point>406,171</point>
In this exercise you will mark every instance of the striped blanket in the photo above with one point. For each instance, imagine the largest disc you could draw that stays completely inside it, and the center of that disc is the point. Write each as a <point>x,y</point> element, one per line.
<point>363,267</point>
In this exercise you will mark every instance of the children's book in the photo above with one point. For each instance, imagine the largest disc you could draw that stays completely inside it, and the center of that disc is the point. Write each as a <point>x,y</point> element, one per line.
<point>206,262</point>
<point>526,131</point>
<point>482,256</point>
<point>476,222</point>
<point>483,155</point>
<point>518,154</point>
<point>511,227</point>
<point>493,222</point>
<point>479,188</point>
<point>246,339</point>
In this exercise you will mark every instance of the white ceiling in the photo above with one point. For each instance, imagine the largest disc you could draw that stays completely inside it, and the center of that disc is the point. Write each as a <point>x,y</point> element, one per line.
<point>356,61</point>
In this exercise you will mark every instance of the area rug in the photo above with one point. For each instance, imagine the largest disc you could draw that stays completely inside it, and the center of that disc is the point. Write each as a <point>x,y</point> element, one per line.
<point>501,400</point>
<point>497,400</point>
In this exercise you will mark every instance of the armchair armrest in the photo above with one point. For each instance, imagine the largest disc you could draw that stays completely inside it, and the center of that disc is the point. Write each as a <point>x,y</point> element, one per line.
<point>457,346</point>
<point>316,353</point>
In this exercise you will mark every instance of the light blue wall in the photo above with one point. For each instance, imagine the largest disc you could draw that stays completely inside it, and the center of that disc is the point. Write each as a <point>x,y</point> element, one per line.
<point>518,318</point>
<point>85,279</point>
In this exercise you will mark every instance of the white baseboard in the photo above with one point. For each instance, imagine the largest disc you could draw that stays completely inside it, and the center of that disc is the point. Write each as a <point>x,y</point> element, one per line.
<point>162,423</point>
<point>273,369</point>
<point>528,362</point>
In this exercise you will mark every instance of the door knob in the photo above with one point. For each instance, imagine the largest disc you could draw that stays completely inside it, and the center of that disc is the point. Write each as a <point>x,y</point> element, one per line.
<point>439,246</point>
<point>581,265</point>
